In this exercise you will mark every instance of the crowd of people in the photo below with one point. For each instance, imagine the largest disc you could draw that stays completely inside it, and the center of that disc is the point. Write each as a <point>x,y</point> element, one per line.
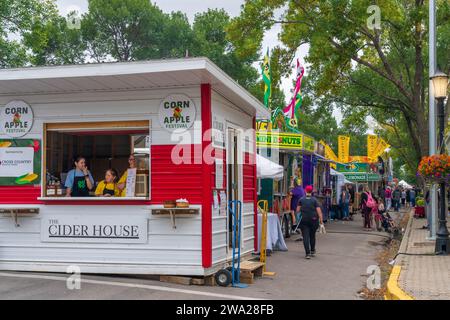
<point>375,208</point>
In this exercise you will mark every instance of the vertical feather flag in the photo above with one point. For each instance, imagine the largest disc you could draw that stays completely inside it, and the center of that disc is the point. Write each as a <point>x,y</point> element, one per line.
<point>343,148</point>
<point>267,78</point>
<point>381,148</point>
<point>372,143</point>
<point>297,99</point>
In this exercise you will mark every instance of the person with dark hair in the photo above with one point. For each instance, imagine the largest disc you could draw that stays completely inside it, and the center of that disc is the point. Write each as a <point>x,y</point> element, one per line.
<point>297,193</point>
<point>412,197</point>
<point>403,195</point>
<point>122,184</point>
<point>312,218</point>
<point>108,187</point>
<point>396,198</point>
<point>79,180</point>
<point>367,204</point>
<point>344,203</point>
<point>388,198</point>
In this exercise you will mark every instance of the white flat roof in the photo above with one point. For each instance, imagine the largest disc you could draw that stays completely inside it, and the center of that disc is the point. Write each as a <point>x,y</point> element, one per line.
<point>150,74</point>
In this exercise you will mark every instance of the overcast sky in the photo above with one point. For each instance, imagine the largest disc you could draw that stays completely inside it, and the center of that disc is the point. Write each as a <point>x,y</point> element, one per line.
<point>191,7</point>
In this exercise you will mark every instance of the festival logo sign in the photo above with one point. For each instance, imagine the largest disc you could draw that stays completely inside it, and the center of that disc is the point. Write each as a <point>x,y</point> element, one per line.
<point>16,119</point>
<point>177,112</point>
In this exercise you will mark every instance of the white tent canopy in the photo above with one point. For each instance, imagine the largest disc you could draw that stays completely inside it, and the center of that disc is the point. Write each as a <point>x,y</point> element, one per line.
<point>404,184</point>
<point>267,169</point>
<point>340,175</point>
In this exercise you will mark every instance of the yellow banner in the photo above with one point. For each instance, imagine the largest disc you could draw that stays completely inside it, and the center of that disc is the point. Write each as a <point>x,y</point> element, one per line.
<point>329,153</point>
<point>359,159</point>
<point>343,148</point>
<point>381,147</point>
<point>372,143</point>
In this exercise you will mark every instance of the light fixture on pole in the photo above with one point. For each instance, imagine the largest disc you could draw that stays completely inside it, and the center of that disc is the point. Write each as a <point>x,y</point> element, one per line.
<point>440,86</point>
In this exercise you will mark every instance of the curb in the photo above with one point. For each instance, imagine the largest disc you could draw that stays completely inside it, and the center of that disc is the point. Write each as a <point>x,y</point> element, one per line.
<point>393,290</point>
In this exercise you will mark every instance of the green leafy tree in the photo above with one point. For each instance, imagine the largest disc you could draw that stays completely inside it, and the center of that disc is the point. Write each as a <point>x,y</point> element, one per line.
<point>16,18</point>
<point>54,42</point>
<point>368,69</point>
<point>123,29</point>
<point>211,41</point>
<point>130,30</point>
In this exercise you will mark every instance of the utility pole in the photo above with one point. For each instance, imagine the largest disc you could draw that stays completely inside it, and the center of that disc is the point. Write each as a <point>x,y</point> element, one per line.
<point>433,205</point>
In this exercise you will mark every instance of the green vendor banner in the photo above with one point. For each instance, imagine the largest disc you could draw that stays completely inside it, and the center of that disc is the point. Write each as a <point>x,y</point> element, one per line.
<point>353,167</point>
<point>362,177</point>
<point>20,162</point>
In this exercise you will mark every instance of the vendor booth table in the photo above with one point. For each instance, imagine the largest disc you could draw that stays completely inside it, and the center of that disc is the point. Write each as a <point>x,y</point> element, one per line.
<point>190,128</point>
<point>275,239</point>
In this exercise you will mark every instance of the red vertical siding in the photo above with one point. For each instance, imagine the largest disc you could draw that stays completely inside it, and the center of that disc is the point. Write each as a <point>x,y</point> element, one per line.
<point>248,172</point>
<point>206,177</point>
<point>170,181</point>
<point>20,195</point>
<point>255,193</point>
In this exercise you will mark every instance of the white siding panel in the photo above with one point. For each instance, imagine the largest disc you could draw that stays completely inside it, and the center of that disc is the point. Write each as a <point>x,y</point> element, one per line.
<point>248,232</point>
<point>105,255</point>
<point>219,237</point>
<point>108,106</point>
<point>165,246</point>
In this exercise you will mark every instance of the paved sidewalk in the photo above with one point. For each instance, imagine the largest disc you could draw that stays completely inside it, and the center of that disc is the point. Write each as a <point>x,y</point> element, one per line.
<point>423,275</point>
<point>339,271</point>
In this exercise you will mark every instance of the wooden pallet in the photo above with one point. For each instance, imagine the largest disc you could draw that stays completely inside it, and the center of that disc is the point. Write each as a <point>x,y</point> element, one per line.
<point>250,270</point>
<point>187,281</point>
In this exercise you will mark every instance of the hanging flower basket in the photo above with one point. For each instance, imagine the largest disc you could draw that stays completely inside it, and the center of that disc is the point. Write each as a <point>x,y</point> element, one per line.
<point>435,168</point>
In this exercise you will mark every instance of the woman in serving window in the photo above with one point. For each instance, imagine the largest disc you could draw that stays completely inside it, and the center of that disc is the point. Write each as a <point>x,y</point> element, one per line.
<point>79,181</point>
<point>108,187</point>
<point>122,184</point>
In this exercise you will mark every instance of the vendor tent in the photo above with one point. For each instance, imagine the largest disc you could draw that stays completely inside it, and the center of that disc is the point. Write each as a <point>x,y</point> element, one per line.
<point>267,169</point>
<point>340,182</point>
<point>340,175</point>
<point>404,184</point>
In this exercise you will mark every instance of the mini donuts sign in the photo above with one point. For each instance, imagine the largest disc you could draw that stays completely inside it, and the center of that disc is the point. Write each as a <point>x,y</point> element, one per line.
<point>16,119</point>
<point>177,112</point>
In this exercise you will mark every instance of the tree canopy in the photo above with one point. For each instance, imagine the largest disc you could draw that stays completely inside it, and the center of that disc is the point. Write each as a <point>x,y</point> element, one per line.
<point>367,69</point>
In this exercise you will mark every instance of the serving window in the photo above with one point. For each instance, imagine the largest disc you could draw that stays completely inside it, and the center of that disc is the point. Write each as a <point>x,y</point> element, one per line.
<point>104,146</point>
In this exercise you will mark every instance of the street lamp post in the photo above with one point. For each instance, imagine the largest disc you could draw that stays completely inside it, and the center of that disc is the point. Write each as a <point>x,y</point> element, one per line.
<point>440,84</point>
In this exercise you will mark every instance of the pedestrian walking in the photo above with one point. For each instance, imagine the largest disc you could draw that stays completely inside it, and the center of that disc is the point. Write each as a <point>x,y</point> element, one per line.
<point>312,218</point>
<point>367,204</point>
<point>344,203</point>
<point>403,198</point>
<point>412,197</point>
<point>351,191</point>
<point>377,212</point>
<point>380,193</point>
<point>296,193</point>
<point>396,197</point>
<point>408,198</point>
<point>388,198</point>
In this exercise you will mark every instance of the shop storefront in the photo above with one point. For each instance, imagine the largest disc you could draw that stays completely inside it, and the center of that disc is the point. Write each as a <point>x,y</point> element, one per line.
<point>301,159</point>
<point>184,123</point>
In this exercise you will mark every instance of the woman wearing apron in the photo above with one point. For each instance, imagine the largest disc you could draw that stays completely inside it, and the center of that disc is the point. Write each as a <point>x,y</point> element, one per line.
<point>108,187</point>
<point>79,181</point>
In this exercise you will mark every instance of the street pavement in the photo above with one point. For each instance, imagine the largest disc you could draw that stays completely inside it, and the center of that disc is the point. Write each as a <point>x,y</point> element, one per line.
<point>423,275</point>
<point>338,271</point>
